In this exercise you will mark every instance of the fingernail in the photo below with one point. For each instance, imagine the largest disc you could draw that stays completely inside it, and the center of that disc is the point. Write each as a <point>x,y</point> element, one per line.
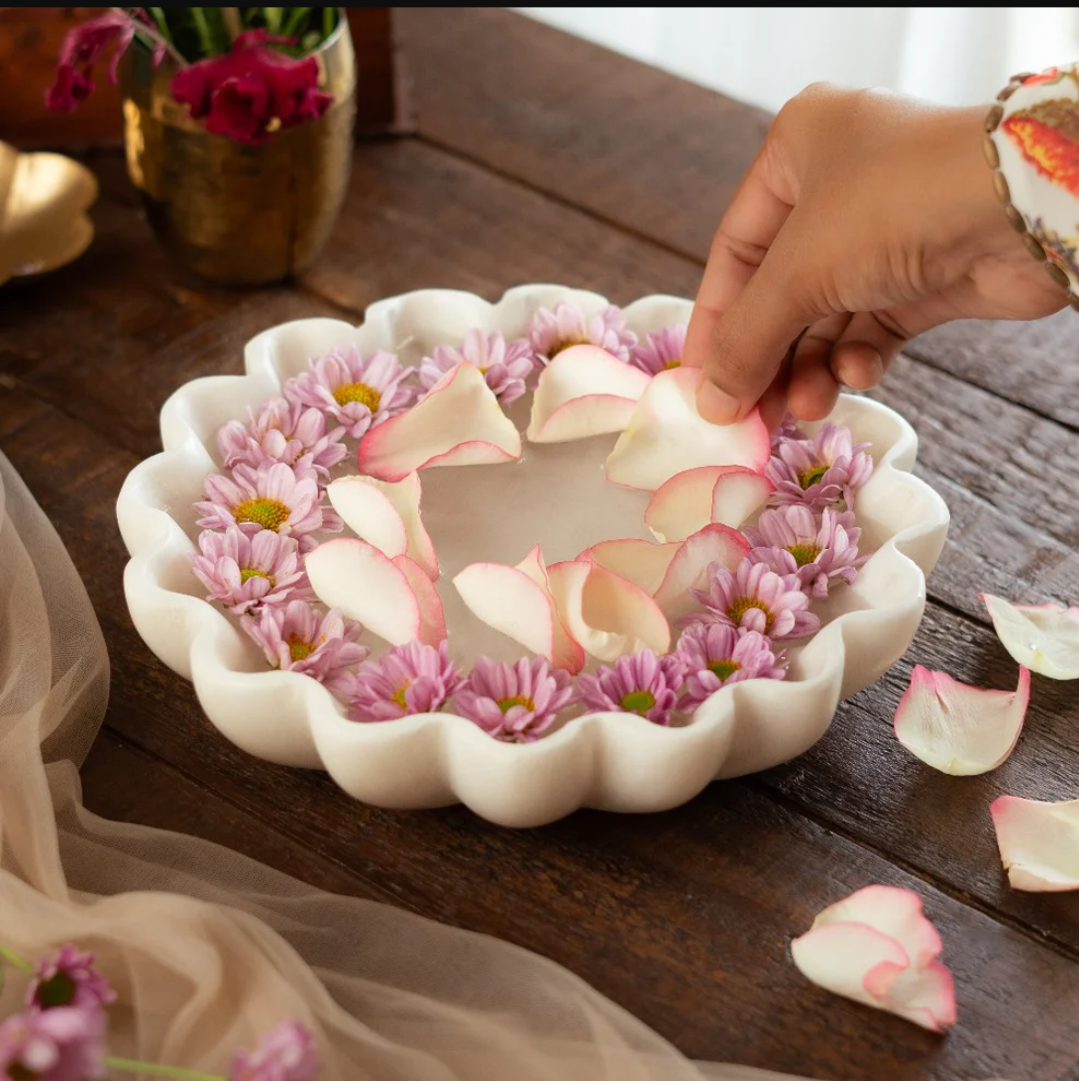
<point>716,405</point>
<point>861,372</point>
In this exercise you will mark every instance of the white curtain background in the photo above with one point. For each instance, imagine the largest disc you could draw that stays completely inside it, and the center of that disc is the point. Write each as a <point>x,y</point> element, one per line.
<point>954,56</point>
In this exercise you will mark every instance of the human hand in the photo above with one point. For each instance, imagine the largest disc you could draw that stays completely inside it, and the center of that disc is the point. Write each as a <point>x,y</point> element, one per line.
<point>866,219</point>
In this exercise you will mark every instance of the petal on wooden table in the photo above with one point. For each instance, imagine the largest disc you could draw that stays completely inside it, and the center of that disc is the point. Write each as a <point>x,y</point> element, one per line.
<point>1043,637</point>
<point>1038,842</point>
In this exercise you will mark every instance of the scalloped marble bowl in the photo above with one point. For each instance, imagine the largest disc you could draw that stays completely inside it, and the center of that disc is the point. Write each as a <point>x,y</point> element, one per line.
<point>556,496</point>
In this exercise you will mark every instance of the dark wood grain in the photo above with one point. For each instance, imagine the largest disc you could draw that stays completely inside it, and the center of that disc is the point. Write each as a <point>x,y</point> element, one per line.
<point>684,918</point>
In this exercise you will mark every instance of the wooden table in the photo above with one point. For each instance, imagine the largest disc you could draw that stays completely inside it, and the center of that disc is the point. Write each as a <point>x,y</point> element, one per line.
<point>542,158</point>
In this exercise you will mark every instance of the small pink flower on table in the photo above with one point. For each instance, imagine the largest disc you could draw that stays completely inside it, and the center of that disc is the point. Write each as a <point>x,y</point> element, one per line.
<point>824,471</point>
<point>283,431</point>
<point>355,392</point>
<point>517,702</point>
<point>644,684</point>
<point>243,572</point>
<point>298,638</point>
<point>754,598</point>
<point>553,329</point>
<point>661,351</point>
<point>61,1044</point>
<point>274,497</point>
<point>791,540</point>
<point>505,365</point>
<point>287,1053</point>
<point>406,679</point>
<point>68,978</point>
<point>716,654</point>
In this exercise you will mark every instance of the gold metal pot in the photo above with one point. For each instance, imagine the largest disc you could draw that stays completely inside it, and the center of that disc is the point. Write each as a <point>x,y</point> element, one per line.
<point>237,214</point>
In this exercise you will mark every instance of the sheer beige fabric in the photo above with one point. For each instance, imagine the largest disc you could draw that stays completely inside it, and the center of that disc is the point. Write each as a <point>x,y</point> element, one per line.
<point>207,948</point>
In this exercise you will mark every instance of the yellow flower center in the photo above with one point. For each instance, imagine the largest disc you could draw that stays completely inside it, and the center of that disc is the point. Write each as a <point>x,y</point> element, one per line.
<point>724,669</point>
<point>812,476</point>
<point>357,392</point>
<point>559,346</point>
<point>269,513</point>
<point>638,702</point>
<point>506,704</point>
<point>676,363</point>
<point>804,554</point>
<point>398,696</point>
<point>298,649</point>
<point>247,573</point>
<point>741,605</point>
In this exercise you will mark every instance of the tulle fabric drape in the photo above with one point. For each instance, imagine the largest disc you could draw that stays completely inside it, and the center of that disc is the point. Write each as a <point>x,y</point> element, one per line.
<point>207,948</point>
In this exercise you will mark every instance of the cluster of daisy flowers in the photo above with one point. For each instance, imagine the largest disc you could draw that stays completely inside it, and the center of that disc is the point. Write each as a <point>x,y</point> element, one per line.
<point>738,593</point>
<point>62,1032</point>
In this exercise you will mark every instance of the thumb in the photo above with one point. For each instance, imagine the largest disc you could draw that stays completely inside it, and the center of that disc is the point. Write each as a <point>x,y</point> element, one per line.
<point>742,349</point>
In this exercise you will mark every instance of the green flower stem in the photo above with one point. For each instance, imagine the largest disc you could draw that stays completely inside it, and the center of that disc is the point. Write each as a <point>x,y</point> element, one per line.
<point>16,961</point>
<point>159,17</point>
<point>153,1069</point>
<point>273,19</point>
<point>327,22</point>
<point>233,22</point>
<point>202,27</point>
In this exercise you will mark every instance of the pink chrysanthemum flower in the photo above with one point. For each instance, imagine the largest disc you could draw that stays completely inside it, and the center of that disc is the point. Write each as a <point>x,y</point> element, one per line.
<point>643,684</point>
<point>286,1053</point>
<point>790,540</point>
<point>62,1044</point>
<point>244,571</point>
<point>274,497</point>
<point>552,330</point>
<point>505,365</point>
<point>715,654</point>
<point>789,429</point>
<point>514,702</point>
<point>67,978</point>
<point>357,393</point>
<point>821,472</point>
<point>663,350</point>
<point>298,638</point>
<point>755,598</point>
<point>286,432</point>
<point>411,678</point>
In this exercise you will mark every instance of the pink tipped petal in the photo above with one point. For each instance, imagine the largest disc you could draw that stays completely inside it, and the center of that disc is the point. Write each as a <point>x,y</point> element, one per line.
<point>641,562</point>
<point>877,947</point>
<point>432,618</point>
<point>517,602</point>
<point>584,391</point>
<point>737,494</point>
<point>682,505</point>
<point>369,513</point>
<point>609,615</point>
<point>1043,637</point>
<point>364,584</point>
<point>1038,842</point>
<point>666,436</point>
<point>959,729</point>
<point>458,423</point>
<point>688,569</point>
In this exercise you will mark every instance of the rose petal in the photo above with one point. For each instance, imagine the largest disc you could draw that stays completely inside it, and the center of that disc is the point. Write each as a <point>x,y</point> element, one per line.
<point>432,617</point>
<point>690,500</point>
<point>609,615</point>
<point>687,570</point>
<point>517,602</point>
<point>1038,842</point>
<point>458,423</point>
<point>1043,637</point>
<point>959,729</point>
<point>666,436</point>
<point>366,585</point>
<point>584,391</point>
<point>878,948</point>
<point>383,513</point>
<point>639,561</point>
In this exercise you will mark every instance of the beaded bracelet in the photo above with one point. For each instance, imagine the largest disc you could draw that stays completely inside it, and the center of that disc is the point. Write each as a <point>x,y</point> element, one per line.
<point>1032,145</point>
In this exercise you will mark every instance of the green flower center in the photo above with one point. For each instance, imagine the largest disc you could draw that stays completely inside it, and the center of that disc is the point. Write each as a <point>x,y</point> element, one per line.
<point>299,650</point>
<point>358,392</point>
<point>399,695</point>
<point>638,702</point>
<point>804,554</point>
<point>247,573</point>
<point>271,514</point>
<point>58,991</point>
<point>676,363</point>
<point>559,346</point>
<point>812,476</point>
<point>506,704</point>
<point>738,608</point>
<point>724,669</point>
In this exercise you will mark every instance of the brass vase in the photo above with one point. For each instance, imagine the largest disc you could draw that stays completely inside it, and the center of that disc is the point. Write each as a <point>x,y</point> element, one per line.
<point>233,213</point>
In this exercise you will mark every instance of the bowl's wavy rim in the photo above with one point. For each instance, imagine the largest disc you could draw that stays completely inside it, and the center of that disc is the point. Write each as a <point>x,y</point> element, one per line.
<point>610,760</point>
